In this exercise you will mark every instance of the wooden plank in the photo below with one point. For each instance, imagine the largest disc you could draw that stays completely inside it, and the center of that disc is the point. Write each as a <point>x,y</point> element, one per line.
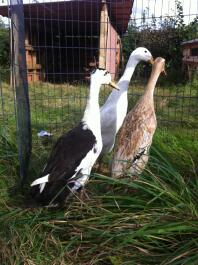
<point>19,70</point>
<point>104,20</point>
<point>111,50</point>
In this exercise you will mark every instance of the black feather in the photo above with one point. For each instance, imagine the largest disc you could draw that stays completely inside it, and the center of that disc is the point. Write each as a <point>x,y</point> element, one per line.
<point>65,157</point>
<point>138,156</point>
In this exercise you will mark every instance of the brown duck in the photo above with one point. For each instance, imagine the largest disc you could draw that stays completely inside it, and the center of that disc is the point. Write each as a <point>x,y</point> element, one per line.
<point>135,138</point>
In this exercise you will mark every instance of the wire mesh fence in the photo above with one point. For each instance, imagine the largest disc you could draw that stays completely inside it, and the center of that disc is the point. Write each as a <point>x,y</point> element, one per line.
<point>64,38</point>
<point>169,29</point>
<point>7,95</point>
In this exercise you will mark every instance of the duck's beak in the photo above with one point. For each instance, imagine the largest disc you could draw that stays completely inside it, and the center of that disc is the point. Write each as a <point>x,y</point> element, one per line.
<point>151,61</point>
<point>163,68</point>
<point>164,72</point>
<point>112,84</point>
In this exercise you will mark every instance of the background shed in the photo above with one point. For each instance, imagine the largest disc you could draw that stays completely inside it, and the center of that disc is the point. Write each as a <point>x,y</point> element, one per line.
<point>63,37</point>
<point>190,57</point>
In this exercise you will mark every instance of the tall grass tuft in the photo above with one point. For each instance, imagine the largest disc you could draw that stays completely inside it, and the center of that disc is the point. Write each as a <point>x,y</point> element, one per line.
<point>149,220</point>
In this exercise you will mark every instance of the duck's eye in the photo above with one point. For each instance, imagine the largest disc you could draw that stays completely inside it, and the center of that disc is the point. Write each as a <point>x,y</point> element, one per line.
<point>106,73</point>
<point>145,51</point>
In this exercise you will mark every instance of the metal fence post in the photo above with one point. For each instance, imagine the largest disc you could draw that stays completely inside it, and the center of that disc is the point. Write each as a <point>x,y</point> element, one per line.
<point>20,83</point>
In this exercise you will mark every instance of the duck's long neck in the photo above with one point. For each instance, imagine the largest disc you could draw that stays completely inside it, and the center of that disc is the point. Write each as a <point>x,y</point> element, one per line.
<point>92,112</point>
<point>128,72</point>
<point>124,81</point>
<point>149,91</point>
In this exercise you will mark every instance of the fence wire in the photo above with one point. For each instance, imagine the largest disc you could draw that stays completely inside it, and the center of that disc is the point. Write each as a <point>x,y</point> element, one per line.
<point>7,96</point>
<point>62,40</point>
<point>169,29</point>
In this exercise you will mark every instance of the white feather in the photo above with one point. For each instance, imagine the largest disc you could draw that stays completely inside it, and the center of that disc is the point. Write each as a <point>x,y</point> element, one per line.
<point>42,186</point>
<point>88,162</point>
<point>40,180</point>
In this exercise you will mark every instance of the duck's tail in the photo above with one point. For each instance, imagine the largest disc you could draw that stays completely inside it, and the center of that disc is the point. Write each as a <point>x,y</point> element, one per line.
<point>45,193</point>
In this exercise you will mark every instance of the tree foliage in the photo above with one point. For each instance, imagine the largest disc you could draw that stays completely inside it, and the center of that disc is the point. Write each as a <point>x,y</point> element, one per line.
<point>4,45</point>
<point>162,38</point>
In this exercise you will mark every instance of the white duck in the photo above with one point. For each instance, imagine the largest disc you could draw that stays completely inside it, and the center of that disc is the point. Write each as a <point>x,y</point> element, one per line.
<point>113,112</point>
<point>74,153</point>
<point>135,138</point>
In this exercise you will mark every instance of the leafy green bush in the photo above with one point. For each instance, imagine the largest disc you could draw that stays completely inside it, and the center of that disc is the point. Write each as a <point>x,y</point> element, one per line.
<point>162,38</point>
<point>4,52</point>
<point>4,45</point>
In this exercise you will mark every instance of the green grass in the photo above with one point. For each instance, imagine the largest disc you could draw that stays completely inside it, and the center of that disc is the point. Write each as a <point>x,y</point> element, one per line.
<point>180,147</point>
<point>175,105</point>
<point>151,220</point>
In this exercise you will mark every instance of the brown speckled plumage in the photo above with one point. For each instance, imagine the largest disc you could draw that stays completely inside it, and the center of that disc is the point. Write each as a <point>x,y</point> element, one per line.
<point>135,138</point>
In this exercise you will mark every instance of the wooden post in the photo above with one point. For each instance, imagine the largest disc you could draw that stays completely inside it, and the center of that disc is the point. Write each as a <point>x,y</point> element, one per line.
<point>20,83</point>
<point>104,20</point>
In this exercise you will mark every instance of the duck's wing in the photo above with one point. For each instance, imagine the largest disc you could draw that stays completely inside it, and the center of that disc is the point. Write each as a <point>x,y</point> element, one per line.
<point>63,164</point>
<point>108,120</point>
<point>107,117</point>
<point>133,144</point>
<point>68,152</point>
